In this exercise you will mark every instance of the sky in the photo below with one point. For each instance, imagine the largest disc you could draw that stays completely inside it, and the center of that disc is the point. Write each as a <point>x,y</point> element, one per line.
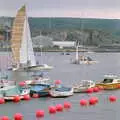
<point>63,8</point>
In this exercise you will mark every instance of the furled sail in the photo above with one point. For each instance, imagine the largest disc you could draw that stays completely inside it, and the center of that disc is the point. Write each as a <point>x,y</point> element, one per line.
<point>21,42</point>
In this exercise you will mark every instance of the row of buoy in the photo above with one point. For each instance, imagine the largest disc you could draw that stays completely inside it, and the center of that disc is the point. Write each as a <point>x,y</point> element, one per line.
<point>59,107</point>
<point>41,113</point>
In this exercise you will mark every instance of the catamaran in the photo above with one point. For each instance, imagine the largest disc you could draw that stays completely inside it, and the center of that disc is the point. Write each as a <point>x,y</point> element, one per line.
<point>21,45</point>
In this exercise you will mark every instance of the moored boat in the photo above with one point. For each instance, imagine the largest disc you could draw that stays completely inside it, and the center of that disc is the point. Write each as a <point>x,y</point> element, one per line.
<point>9,92</point>
<point>110,82</point>
<point>61,91</point>
<point>83,86</point>
<point>40,89</point>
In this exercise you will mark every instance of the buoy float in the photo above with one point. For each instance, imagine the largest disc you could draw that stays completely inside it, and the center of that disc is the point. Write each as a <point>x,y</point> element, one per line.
<point>67,105</point>
<point>16,99</point>
<point>2,100</point>
<point>89,90</point>
<point>22,84</point>
<point>52,110</point>
<point>59,108</point>
<point>40,113</point>
<point>83,102</point>
<point>118,86</point>
<point>95,89</point>
<point>92,101</point>
<point>35,95</point>
<point>112,98</point>
<point>5,118</point>
<point>18,116</point>
<point>26,97</point>
<point>57,82</point>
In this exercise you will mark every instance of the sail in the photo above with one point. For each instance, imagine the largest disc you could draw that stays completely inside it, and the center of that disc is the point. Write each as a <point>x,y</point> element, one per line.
<point>21,42</point>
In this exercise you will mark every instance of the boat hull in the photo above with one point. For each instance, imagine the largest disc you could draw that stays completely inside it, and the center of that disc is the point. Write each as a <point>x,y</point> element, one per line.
<point>54,93</point>
<point>109,86</point>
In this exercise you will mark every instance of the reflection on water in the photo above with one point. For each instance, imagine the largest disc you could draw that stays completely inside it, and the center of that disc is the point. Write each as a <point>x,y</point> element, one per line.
<point>109,63</point>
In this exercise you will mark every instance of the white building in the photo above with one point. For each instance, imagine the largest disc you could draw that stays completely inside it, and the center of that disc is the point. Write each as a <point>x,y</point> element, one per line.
<point>63,44</point>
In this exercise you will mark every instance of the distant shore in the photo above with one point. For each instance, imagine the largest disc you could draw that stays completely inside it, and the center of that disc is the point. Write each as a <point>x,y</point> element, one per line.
<point>67,50</point>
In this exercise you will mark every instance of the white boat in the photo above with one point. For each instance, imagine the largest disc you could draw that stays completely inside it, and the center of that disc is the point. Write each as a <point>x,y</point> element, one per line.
<point>82,59</point>
<point>61,91</point>
<point>21,44</point>
<point>83,86</point>
<point>9,92</point>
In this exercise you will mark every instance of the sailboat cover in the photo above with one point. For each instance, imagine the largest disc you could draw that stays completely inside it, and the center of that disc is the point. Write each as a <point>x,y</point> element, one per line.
<point>21,42</point>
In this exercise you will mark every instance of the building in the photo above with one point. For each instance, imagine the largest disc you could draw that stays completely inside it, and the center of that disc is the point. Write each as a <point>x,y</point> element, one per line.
<point>62,44</point>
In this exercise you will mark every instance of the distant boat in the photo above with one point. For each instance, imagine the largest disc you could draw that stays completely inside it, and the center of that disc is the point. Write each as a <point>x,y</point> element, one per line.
<point>82,59</point>
<point>21,44</point>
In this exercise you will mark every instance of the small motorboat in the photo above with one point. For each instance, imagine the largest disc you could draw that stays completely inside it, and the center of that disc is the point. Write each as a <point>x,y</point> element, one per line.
<point>110,82</point>
<point>83,86</point>
<point>9,92</point>
<point>40,89</point>
<point>61,91</point>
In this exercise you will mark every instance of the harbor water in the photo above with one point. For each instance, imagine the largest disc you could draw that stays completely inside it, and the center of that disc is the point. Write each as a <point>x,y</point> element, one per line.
<point>69,74</point>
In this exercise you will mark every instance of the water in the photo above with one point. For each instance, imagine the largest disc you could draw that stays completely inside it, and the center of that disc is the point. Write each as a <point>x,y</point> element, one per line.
<point>109,63</point>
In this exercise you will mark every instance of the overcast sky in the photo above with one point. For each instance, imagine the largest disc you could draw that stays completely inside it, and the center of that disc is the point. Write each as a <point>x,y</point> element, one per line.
<point>63,8</point>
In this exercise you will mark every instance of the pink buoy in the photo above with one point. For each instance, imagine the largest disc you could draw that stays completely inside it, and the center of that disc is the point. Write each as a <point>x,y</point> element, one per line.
<point>18,116</point>
<point>40,113</point>
<point>5,118</point>
<point>92,101</point>
<point>52,110</point>
<point>89,90</point>
<point>59,108</point>
<point>83,102</point>
<point>16,99</point>
<point>26,97</point>
<point>22,84</point>
<point>67,105</point>
<point>112,98</point>
<point>118,86</point>
<point>95,89</point>
<point>2,100</point>
<point>57,82</point>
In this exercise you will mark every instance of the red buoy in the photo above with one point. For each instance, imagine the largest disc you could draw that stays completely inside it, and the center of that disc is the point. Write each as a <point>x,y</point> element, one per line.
<point>112,98</point>
<point>95,89</point>
<point>89,90</point>
<point>83,102</point>
<point>59,108</point>
<point>118,86</point>
<point>18,116</point>
<point>5,118</point>
<point>67,105</point>
<point>92,101</point>
<point>40,113</point>
<point>26,97</point>
<point>16,99</point>
<point>52,110</point>
<point>22,84</point>
<point>57,82</point>
<point>2,100</point>
<point>35,95</point>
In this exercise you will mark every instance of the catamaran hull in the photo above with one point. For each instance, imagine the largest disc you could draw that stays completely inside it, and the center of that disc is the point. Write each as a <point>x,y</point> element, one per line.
<point>32,68</point>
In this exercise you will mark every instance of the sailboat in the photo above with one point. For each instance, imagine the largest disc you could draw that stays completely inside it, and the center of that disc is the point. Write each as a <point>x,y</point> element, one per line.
<point>21,45</point>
